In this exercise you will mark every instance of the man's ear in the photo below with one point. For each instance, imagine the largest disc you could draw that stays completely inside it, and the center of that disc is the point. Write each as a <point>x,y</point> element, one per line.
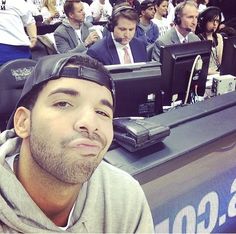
<point>22,122</point>
<point>71,15</point>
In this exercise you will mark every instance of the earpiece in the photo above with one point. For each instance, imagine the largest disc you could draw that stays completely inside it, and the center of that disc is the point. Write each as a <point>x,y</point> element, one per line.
<point>178,12</point>
<point>112,20</point>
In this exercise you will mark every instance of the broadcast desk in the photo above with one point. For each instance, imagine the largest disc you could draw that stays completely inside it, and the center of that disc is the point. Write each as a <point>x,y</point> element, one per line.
<point>190,178</point>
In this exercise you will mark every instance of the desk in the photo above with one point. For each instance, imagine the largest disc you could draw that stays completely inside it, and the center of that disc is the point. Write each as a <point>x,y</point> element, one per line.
<point>190,178</point>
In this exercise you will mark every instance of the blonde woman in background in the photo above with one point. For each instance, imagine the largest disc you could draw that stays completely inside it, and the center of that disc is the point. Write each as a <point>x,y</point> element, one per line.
<point>50,12</point>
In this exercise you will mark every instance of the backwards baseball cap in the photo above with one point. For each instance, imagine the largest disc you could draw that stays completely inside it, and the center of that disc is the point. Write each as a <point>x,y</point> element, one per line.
<point>56,66</point>
<point>146,4</point>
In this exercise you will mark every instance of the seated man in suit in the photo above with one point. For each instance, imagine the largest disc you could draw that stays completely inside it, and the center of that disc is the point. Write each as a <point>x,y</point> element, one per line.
<point>186,15</point>
<point>120,46</point>
<point>74,35</point>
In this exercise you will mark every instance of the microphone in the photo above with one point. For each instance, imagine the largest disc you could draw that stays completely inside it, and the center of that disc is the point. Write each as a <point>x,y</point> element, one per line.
<point>210,31</point>
<point>118,39</point>
<point>188,29</point>
<point>185,28</point>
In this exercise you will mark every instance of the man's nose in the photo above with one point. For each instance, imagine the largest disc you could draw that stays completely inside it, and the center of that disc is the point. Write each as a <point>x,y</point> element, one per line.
<point>86,121</point>
<point>127,34</point>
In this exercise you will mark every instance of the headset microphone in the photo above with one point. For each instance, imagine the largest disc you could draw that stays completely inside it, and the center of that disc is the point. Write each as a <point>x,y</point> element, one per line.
<point>188,29</point>
<point>211,30</point>
<point>119,39</point>
<point>185,28</point>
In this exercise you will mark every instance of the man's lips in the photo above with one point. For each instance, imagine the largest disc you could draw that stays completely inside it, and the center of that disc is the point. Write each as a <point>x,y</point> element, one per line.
<point>86,146</point>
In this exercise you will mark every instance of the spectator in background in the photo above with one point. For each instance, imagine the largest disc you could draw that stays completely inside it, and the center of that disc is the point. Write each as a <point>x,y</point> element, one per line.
<point>74,35</point>
<point>14,42</point>
<point>171,10</point>
<point>202,4</point>
<point>87,12</point>
<point>208,25</point>
<point>33,8</point>
<point>101,10</point>
<point>49,12</point>
<point>186,16</point>
<point>146,29</point>
<point>135,4</point>
<point>120,46</point>
<point>160,17</point>
<point>38,3</point>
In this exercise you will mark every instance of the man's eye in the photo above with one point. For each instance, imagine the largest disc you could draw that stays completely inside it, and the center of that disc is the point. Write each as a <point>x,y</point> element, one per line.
<point>103,113</point>
<point>62,104</point>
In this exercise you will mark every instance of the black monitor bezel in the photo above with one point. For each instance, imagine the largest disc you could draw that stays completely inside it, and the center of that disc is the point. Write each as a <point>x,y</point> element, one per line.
<point>146,76</point>
<point>170,55</point>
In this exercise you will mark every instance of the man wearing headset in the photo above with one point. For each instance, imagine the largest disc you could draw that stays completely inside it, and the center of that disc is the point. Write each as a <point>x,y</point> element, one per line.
<point>186,16</point>
<point>120,46</point>
<point>53,178</point>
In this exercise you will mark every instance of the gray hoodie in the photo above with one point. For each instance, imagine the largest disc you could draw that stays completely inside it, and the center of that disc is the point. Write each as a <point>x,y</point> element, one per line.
<point>111,201</point>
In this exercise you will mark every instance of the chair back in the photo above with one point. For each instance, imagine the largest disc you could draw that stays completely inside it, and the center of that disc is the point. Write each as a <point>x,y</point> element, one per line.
<point>12,78</point>
<point>44,46</point>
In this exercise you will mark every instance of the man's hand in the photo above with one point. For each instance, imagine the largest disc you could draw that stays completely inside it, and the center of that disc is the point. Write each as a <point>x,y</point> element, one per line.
<point>33,41</point>
<point>92,37</point>
<point>55,15</point>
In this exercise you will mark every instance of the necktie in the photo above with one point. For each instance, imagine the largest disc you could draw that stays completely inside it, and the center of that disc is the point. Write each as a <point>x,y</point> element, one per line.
<point>127,59</point>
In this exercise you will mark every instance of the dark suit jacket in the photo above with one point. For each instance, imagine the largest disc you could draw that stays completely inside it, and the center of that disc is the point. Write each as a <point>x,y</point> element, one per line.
<point>169,38</point>
<point>105,51</point>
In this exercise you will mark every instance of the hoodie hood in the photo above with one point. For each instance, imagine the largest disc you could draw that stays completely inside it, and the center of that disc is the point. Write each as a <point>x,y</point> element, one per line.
<point>66,23</point>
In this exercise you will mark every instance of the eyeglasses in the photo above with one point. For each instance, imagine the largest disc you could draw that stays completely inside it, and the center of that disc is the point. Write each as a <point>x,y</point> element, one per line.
<point>215,21</point>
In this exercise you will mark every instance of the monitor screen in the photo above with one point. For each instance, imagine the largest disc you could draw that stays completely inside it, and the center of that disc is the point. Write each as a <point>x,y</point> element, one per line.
<point>137,89</point>
<point>177,61</point>
<point>229,57</point>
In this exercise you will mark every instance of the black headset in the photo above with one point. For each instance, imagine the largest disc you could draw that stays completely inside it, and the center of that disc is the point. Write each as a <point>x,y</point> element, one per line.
<point>3,5</point>
<point>202,15</point>
<point>112,20</point>
<point>179,9</point>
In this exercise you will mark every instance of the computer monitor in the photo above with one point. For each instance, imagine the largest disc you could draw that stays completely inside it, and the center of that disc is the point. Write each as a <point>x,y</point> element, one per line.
<point>229,57</point>
<point>137,89</point>
<point>177,62</point>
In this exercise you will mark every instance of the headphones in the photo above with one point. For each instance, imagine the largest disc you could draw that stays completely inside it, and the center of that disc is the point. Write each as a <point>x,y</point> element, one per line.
<point>202,19</point>
<point>112,20</point>
<point>179,9</point>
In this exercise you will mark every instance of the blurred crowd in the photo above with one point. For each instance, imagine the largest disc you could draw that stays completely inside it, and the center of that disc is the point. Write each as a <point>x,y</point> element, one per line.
<point>90,26</point>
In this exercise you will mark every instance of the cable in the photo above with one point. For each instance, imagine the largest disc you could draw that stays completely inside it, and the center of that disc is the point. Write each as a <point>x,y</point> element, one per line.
<point>196,64</point>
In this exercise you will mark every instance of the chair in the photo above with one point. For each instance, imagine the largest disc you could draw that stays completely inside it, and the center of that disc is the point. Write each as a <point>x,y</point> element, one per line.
<point>12,78</point>
<point>149,51</point>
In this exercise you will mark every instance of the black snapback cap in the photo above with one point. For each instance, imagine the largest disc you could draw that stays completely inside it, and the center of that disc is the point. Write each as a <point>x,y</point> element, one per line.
<point>52,67</point>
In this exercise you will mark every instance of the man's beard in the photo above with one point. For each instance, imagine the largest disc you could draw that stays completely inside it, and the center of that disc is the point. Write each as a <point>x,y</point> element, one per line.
<point>66,166</point>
